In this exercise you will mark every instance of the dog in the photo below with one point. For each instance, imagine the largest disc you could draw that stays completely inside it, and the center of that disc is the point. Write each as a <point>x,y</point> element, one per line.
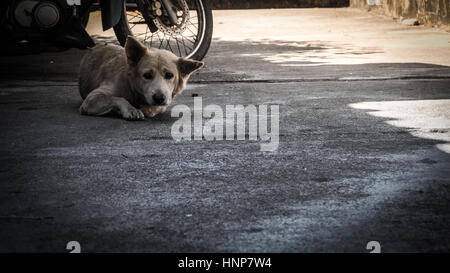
<point>135,82</point>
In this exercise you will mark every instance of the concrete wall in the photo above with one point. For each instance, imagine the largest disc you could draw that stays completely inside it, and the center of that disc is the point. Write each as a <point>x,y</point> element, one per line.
<point>428,12</point>
<point>264,4</point>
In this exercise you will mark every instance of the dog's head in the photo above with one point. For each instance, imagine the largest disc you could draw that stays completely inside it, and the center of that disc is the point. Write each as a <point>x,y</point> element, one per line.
<point>157,75</point>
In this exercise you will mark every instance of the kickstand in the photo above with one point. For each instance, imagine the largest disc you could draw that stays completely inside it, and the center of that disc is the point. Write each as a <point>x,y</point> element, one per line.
<point>77,34</point>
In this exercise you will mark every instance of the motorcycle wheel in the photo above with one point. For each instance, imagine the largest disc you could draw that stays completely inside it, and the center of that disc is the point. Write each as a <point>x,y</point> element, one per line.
<point>189,38</point>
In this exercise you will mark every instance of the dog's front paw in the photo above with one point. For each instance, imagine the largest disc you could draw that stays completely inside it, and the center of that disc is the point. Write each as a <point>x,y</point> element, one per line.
<point>151,111</point>
<point>133,114</point>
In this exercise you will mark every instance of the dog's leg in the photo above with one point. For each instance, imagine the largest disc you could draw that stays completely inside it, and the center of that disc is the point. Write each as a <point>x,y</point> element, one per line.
<point>99,103</point>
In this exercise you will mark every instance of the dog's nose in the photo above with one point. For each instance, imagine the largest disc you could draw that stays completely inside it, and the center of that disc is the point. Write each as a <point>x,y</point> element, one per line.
<point>159,98</point>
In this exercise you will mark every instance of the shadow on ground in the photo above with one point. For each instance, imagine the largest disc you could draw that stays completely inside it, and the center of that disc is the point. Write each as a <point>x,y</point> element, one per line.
<point>229,61</point>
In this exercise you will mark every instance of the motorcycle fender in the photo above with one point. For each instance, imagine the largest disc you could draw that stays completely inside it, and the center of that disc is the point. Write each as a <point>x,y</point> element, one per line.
<point>111,11</point>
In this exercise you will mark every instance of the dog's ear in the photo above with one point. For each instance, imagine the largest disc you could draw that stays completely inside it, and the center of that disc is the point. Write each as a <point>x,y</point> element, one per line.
<point>187,66</point>
<point>135,50</point>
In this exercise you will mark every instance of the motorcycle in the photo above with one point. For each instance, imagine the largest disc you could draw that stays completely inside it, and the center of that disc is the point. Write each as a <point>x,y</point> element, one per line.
<point>182,26</point>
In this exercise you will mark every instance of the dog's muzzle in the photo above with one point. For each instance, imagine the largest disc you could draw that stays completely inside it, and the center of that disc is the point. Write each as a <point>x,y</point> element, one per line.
<point>159,98</point>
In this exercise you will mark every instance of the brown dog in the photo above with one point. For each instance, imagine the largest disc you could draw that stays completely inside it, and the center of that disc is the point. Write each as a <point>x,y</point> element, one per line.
<point>137,82</point>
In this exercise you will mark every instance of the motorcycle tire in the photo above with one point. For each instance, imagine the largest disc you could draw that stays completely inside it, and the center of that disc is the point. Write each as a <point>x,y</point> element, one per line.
<point>204,28</point>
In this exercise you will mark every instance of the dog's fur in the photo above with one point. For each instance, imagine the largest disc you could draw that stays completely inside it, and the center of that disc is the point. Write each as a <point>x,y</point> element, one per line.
<point>137,82</point>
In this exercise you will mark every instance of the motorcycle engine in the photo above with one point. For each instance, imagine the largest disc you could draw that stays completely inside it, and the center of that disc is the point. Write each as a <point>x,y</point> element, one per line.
<point>43,15</point>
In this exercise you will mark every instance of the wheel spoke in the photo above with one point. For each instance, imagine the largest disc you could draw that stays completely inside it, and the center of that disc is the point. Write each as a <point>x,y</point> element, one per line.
<point>178,46</point>
<point>151,40</point>
<point>190,31</point>
<point>134,16</point>
<point>185,44</point>
<point>162,41</point>
<point>168,43</point>
<point>145,36</point>
<point>193,26</point>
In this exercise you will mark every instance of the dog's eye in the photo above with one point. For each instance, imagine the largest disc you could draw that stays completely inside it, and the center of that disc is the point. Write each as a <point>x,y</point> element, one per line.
<point>168,76</point>
<point>148,75</point>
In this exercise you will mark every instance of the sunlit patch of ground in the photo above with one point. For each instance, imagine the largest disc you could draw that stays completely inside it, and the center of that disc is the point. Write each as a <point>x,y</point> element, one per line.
<point>428,119</point>
<point>332,36</point>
